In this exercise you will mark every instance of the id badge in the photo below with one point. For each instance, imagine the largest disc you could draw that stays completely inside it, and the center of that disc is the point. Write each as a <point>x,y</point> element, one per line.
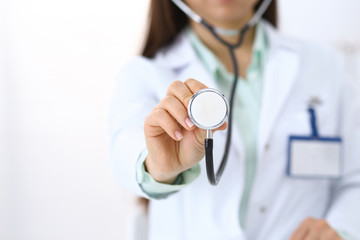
<point>314,156</point>
<point>310,157</point>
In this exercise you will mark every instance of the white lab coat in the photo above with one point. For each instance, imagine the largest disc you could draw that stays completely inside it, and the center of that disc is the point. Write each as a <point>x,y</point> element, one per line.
<point>294,73</point>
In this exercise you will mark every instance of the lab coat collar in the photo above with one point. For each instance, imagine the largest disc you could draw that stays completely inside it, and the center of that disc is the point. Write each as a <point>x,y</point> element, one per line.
<point>181,58</point>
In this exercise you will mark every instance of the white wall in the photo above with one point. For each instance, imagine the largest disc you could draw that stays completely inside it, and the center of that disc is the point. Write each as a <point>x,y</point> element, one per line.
<point>58,60</point>
<point>61,60</point>
<point>4,199</point>
<point>330,22</point>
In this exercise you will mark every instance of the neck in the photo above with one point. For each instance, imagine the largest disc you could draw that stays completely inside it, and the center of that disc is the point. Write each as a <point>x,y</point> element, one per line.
<point>243,53</point>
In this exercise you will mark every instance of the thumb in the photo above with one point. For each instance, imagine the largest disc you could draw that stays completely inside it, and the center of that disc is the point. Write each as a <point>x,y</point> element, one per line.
<point>200,135</point>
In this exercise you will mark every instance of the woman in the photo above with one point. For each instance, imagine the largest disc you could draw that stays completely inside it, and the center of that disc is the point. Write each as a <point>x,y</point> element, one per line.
<point>157,151</point>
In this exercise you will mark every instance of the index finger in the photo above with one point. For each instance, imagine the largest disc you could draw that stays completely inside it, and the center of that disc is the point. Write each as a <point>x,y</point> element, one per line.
<point>184,91</point>
<point>194,85</point>
<point>302,230</point>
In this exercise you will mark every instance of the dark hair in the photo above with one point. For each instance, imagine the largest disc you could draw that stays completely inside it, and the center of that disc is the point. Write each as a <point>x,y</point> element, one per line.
<point>167,20</point>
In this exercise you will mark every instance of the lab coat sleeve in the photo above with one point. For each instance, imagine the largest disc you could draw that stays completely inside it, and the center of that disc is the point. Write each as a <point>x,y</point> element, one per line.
<point>133,99</point>
<point>344,212</point>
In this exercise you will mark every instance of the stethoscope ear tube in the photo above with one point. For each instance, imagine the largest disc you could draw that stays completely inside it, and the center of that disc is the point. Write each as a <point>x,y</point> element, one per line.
<point>212,177</point>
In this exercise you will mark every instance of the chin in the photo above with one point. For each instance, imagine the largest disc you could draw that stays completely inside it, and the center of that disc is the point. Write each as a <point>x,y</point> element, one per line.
<point>226,11</point>
<point>231,17</point>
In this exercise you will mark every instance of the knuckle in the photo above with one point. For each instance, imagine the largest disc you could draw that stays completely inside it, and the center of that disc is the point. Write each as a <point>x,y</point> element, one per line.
<point>151,114</point>
<point>186,98</point>
<point>166,101</point>
<point>189,80</point>
<point>179,111</point>
<point>321,223</point>
<point>153,118</point>
<point>177,83</point>
<point>147,122</point>
<point>156,108</point>
<point>310,220</point>
<point>173,105</point>
<point>307,221</point>
<point>148,117</point>
<point>332,235</point>
<point>165,120</point>
<point>195,84</point>
<point>168,124</point>
<point>174,85</point>
<point>159,113</point>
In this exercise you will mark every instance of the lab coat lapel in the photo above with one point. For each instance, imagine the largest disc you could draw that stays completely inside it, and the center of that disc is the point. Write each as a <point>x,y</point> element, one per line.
<point>181,59</point>
<point>279,76</point>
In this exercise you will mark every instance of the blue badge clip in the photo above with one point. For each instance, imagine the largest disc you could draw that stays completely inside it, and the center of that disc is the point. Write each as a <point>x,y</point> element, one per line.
<point>314,130</point>
<point>314,135</point>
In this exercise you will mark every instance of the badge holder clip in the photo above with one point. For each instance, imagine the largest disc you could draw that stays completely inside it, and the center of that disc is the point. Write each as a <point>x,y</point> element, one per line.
<point>314,156</point>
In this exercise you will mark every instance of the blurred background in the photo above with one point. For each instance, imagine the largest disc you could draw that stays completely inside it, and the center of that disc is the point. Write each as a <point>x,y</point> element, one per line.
<point>58,62</point>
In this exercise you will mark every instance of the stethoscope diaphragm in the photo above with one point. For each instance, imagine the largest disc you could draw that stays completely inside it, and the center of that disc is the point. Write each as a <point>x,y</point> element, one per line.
<point>208,109</point>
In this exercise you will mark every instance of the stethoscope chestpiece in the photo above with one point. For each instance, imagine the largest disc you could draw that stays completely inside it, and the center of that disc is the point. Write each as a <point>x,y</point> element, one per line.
<point>208,109</point>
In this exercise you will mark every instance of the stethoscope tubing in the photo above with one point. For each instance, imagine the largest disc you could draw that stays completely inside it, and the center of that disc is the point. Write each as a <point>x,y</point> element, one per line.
<point>212,177</point>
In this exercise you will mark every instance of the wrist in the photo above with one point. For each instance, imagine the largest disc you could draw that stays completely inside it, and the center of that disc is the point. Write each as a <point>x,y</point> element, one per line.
<point>159,176</point>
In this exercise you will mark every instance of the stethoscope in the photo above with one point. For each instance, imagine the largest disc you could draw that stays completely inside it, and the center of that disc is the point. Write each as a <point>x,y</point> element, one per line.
<point>208,108</point>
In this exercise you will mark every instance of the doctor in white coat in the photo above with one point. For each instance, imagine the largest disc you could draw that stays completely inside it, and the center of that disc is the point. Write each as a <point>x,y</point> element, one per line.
<point>153,142</point>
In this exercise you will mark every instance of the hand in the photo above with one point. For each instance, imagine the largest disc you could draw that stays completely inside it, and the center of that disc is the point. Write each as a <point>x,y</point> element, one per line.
<point>315,229</point>
<point>173,142</point>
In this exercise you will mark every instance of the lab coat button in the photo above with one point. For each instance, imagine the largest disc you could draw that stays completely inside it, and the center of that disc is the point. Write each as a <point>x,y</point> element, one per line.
<point>253,75</point>
<point>262,209</point>
<point>267,146</point>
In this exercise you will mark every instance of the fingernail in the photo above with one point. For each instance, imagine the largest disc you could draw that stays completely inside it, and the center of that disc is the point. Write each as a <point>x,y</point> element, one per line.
<point>178,135</point>
<point>189,122</point>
